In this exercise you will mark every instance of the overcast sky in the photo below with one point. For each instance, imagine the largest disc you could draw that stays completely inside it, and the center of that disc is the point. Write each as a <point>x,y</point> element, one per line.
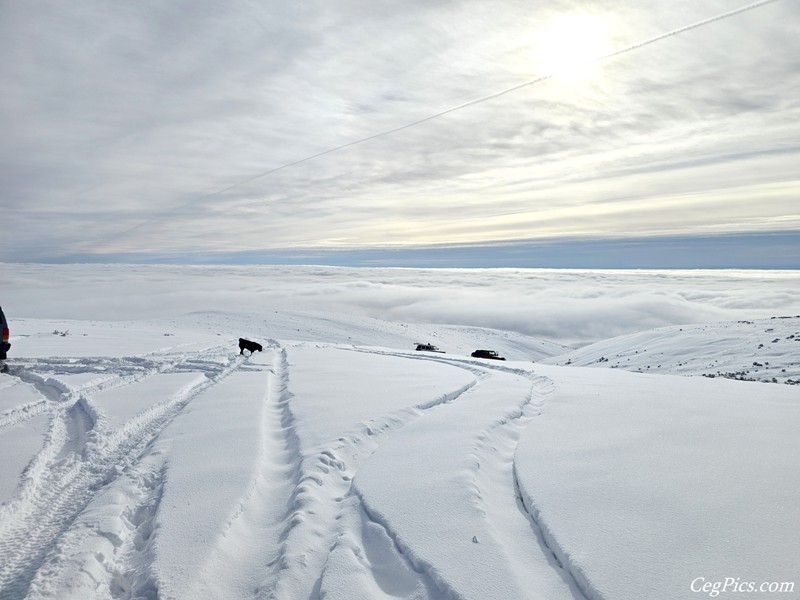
<point>130,128</point>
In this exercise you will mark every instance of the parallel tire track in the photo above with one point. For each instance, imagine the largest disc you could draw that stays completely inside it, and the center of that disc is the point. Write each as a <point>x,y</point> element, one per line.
<point>323,486</point>
<point>30,526</point>
<point>495,480</point>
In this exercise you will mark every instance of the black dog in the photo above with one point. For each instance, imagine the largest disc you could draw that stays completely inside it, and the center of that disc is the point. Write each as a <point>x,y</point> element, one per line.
<point>248,345</point>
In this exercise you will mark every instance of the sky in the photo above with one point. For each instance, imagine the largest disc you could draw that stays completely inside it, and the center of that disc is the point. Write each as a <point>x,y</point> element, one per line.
<point>265,131</point>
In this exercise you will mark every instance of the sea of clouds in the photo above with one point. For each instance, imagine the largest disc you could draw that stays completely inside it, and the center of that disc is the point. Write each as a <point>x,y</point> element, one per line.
<point>568,306</point>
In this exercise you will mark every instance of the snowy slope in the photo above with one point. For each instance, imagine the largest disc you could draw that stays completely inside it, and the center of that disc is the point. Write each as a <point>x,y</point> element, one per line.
<point>766,350</point>
<point>366,331</point>
<point>675,479</point>
<point>147,458</point>
<point>187,470</point>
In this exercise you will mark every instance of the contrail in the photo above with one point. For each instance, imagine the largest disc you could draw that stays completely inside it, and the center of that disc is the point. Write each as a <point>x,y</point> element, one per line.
<point>680,30</point>
<point>442,113</point>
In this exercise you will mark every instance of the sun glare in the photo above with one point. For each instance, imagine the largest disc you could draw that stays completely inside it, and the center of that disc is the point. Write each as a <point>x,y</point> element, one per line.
<point>569,47</point>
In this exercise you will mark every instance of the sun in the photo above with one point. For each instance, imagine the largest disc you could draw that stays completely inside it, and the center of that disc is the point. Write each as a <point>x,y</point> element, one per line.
<point>570,46</point>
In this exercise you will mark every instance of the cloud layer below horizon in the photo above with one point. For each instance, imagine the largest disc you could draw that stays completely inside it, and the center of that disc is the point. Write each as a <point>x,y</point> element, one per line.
<point>565,306</point>
<point>123,122</point>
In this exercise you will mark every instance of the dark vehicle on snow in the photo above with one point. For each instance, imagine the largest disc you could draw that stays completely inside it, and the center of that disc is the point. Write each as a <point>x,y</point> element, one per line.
<point>4,344</point>
<point>428,348</point>
<point>487,354</point>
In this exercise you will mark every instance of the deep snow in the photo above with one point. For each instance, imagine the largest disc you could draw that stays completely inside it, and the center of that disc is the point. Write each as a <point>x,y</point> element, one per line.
<point>146,458</point>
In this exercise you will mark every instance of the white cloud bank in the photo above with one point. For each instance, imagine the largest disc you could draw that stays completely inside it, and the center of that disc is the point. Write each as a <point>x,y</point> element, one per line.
<point>566,306</point>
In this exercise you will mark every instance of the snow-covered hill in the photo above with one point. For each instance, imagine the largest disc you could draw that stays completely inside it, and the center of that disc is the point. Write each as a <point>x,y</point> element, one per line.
<point>766,350</point>
<point>148,458</point>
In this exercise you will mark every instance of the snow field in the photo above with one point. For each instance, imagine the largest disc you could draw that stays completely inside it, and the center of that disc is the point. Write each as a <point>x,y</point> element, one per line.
<point>644,482</point>
<point>154,461</point>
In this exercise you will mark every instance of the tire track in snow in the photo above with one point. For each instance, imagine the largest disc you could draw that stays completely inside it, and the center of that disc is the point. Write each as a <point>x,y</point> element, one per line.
<point>72,410</point>
<point>20,414</point>
<point>323,486</point>
<point>495,494</point>
<point>497,447</point>
<point>119,372</point>
<point>61,488</point>
<point>410,509</point>
<point>498,495</point>
<point>50,391</point>
<point>108,548</point>
<point>247,553</point>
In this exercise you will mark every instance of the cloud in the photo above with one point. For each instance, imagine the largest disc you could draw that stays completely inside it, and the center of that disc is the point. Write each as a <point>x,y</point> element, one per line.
<point>122,122</point>
<point>567,306</point>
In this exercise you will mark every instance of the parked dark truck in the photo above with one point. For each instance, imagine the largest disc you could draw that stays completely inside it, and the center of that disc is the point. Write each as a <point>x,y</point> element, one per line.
<point>487,354</point>
<point>4,345</point>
